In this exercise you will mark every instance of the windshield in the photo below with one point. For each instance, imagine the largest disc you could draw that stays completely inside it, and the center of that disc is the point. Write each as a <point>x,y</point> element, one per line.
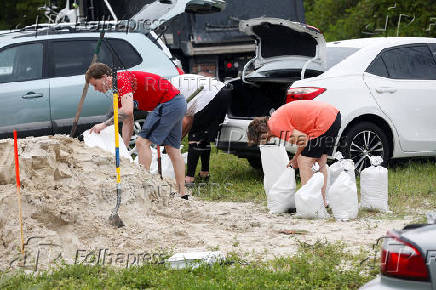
<point>337,54</point>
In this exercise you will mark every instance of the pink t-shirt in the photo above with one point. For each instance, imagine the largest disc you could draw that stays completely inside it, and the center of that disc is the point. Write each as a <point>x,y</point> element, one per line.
<point>313,118</point>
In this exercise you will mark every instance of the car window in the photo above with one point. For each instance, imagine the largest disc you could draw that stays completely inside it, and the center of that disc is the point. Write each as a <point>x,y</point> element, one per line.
<point>337,54</point>
<point>155,60</point>
<point>73,56</point>
<point>21,63</point>
<point>126,52</point>
<point>410,62</point>
<point>378,67</point>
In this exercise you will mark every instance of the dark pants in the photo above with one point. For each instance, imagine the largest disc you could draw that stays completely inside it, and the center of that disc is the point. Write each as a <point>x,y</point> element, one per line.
<point>195,152</point>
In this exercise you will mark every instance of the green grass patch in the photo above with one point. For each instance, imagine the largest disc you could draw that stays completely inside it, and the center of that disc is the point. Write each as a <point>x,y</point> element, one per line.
<point>412,185</point>
<point>321,265</point>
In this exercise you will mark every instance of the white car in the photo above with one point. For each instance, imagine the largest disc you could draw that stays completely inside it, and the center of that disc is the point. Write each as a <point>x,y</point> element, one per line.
<point>385,89</point>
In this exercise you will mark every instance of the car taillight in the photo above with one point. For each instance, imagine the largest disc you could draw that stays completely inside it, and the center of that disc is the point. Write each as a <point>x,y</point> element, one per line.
<point>303,94</point>
<point>181,72</point>
<point>402,260</point>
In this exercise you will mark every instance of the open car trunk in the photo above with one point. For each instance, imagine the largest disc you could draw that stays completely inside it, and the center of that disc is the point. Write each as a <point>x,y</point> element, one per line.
<point>285,50</point>
<point>248,100</point>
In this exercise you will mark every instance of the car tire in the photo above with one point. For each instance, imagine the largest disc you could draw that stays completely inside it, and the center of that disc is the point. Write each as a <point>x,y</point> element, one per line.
<point>255,162</point>
<point>362,141</point>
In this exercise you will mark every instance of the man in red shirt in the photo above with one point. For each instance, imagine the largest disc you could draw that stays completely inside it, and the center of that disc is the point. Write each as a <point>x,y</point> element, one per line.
<point>312,125</point>
<point>163,126</point>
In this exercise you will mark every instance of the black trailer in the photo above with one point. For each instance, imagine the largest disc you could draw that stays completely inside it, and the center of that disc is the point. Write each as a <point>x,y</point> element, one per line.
<point>210,44</point>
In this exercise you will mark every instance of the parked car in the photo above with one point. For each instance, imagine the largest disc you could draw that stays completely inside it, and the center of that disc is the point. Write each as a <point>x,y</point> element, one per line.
<point>408,259</point>
<point>41,78</point>
<point>42,68</point>
<point>383,86</point>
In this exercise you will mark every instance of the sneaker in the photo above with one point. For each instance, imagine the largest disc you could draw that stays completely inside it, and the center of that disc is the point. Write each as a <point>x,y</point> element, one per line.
<point>174,194</point>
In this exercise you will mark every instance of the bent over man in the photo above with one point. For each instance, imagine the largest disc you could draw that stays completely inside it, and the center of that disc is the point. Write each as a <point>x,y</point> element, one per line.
<point>163,126</point>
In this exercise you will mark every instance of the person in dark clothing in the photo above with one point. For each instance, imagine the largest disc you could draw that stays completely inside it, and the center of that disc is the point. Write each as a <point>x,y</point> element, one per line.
<point>203,128</point>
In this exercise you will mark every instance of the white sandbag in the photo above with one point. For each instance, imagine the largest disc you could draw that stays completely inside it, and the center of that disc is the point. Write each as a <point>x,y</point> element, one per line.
<point>106,141</point>
<point>308,199</point>
<point>167,165</point>
<point>337,167</point>
<point>194,260</point>
<point>274,161</point>
<point>343,197</point>
<point>281,196</point>
<point>374,186</point>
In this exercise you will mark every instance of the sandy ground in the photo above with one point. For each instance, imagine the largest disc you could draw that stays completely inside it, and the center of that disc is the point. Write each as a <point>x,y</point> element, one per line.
<point>68,192</point>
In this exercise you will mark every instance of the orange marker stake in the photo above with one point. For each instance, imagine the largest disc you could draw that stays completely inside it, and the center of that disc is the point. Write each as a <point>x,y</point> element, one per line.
<point>17,173</point>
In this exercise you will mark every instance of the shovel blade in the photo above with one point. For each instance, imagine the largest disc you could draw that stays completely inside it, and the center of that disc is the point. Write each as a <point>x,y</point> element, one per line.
<point>116,221</point>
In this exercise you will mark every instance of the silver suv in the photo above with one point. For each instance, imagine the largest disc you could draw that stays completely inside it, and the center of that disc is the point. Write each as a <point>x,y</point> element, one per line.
<point>42,76</point>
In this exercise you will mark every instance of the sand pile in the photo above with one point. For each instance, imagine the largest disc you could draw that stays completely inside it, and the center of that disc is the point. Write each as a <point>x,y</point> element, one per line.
<point>68,192</point>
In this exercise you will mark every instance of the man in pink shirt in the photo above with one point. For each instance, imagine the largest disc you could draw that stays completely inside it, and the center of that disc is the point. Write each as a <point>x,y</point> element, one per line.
<point>312,125</point>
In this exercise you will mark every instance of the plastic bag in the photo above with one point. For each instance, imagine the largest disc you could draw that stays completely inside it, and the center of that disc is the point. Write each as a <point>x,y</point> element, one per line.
<point>106,141</point>
<point>281,196</point>
<point>337,167</point>
<point>308,199</point>
<point>274,161</point>
<point>343,197</point>
<point>167,165</point>
<point>374,186</point>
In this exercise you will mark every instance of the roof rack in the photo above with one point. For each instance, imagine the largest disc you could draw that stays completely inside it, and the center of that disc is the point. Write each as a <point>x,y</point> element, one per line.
<point>89,26</point>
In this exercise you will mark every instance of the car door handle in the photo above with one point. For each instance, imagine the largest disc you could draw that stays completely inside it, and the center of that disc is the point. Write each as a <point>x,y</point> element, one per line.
<point>384,90</point>
<point>32,95</point>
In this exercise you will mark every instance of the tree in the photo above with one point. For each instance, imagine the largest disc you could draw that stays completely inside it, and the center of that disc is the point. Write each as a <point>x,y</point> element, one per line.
<point>345,19</point>
<point>20,13</point>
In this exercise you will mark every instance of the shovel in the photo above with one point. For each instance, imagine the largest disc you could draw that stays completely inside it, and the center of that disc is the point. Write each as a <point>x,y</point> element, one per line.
<point>115,219</point>
<point>86,87</point>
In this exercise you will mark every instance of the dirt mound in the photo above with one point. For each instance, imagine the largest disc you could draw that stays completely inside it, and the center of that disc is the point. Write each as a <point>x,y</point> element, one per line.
<point>69,190</point>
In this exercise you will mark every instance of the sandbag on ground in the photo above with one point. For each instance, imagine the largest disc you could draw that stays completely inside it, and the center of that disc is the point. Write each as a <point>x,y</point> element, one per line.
<point>343,197</point>
<point>308,199</point>
<point>281,196</point>
<point>374,186</point>
<point>106,141</point>
<point>274,161</point>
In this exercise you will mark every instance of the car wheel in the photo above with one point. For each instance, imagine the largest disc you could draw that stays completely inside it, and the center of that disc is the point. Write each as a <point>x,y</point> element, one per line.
<point>363,141</point>
<point>255,162</point>
<point>137,127</point>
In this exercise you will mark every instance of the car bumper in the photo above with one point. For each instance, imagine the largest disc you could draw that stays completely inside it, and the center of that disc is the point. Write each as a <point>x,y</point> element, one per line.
<point>385,283</point>
<point>233,139</point>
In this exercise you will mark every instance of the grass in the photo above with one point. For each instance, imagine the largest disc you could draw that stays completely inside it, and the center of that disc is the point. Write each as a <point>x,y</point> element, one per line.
<point>320,265</point>
<point>232,179</point>
<point>412,185</point>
